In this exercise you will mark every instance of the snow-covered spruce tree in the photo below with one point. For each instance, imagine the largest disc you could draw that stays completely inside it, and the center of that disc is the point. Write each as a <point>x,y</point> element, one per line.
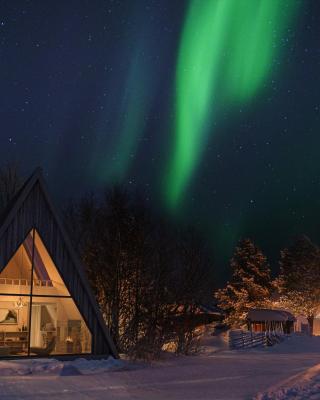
<point>299,279</point>
<point>250,285</point>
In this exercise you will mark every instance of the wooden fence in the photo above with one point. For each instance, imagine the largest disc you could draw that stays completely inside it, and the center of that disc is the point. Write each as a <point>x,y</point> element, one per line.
<point>239,339</point>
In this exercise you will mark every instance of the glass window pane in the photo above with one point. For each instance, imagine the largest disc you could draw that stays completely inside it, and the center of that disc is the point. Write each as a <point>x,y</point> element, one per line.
<point>14,319</point>
<point>57,327</point>
<point>46,278</point>
<point>16,276</point>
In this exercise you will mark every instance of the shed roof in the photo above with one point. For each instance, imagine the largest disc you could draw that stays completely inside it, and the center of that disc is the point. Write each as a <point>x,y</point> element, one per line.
<point>260,315</point>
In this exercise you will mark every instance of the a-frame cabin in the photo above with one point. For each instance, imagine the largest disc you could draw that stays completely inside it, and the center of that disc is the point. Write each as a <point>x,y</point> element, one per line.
<point>46,304</point>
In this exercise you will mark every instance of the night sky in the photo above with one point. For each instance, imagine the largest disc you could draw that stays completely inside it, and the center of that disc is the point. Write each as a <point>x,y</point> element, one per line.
<point>209,108</point>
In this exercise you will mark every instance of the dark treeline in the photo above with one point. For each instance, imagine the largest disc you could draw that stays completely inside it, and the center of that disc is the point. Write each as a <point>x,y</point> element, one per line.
<point>148,276</point>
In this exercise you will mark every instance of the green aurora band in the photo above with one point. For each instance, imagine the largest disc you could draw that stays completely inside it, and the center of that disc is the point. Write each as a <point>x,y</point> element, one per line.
<point>135,106</point>
<point>227,51</point>
<point>136,99</point>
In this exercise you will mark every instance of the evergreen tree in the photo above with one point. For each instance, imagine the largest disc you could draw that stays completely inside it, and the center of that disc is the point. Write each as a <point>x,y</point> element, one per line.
<point>250,285</point>
<point>299,279</point>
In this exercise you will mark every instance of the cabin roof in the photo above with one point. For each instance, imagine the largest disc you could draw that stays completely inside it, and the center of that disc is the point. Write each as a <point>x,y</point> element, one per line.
<point>260,315</point>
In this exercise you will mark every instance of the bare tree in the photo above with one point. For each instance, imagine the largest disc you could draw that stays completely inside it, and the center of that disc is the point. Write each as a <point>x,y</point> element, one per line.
<point>147,277</point>
<point>80,219</point>
<point>193,286</point>
<point>10,182</point>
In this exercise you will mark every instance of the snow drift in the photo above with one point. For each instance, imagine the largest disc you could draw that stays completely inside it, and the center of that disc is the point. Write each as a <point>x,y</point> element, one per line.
<point>79,366</point>
<point>303,386</point>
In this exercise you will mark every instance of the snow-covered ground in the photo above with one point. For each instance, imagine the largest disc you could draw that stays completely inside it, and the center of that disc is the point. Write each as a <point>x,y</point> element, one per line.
<point>301,386</point>
<point>215,374</point>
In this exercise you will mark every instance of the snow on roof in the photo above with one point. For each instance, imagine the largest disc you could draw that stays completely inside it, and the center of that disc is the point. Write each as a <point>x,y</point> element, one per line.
<point>270,315</point>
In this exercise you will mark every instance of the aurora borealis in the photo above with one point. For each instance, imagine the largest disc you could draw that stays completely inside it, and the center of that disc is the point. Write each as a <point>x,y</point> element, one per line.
<point>225,55</point>
<point>210,109</point>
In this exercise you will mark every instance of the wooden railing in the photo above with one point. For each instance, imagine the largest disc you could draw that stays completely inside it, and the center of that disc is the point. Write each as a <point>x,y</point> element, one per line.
<point>25,282</point>
<point>239,339</point>
<point>39,282</point>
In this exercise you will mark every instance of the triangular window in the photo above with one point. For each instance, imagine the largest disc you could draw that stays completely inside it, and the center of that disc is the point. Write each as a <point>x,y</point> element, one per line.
<point>37,314</point>
<point>46,278</point>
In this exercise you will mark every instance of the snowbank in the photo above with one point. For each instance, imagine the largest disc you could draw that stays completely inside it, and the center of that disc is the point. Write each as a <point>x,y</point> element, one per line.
<point>303,386</point>
<point>294,344</point>
<point>79,366</point>
<point>87,367</point>
<point>212,342</point>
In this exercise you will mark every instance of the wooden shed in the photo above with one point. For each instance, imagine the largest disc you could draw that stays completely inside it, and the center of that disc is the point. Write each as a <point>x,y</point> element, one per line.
<point>267,320</point>
<point>46,304</point>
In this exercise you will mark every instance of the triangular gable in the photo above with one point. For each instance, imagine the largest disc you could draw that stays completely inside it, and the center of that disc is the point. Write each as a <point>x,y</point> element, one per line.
<point>44,273</point>
<point>33,209</point>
